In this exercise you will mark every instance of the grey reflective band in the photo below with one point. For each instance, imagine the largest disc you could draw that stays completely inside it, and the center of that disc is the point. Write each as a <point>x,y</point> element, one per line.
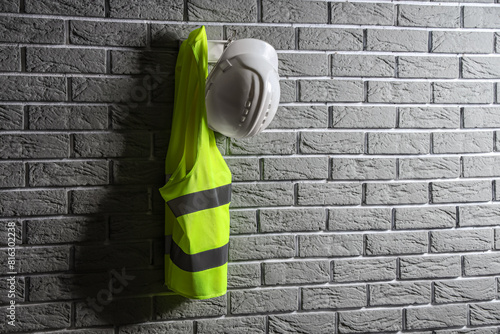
<point>209,259</point>
<point>201,200</point>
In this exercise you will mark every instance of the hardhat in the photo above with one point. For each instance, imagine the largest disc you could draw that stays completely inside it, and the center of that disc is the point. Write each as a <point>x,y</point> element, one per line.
<point>242,92</point>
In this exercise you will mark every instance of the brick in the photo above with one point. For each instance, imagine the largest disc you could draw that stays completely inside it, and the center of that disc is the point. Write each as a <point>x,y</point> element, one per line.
<point>348,65</point>
<point>429,117</point>
<point>38,317</point>
<point>12,175</point>
<point>66,286</point>
<point>65,230</point>
<point>11,117</point>
<point>171,10</point>
<point>10,59</point>
<point>143,62</point>
<point>132,254</point>
<point>363,117</point>
<point>268,300</point>
<point>107,33</point>
<point>429,168</point>
<point>261,247</point>
<point>68,173</point>
<point>329,194</point>
<point>362,13</point>
<point>359,219</point>
<point>484,314</point>
<point>168,35</point>
<point>320,323</point>
<point>179,327</point>
<point>134,226</point>
<point>292,220</point>
<point>243,222</point>
<point>480,67</point>
<point>63,60</point>
<point>296,272</point>
<point>330,39</point>
<point>124,311</point>
<point>31,30</point>
<point>243,275</point>
<point>428,67</point>
<point>52,117</point>
<point>112,199</point>
<point>265,143</point>
<point>396,193</point>
<point>400,293</point>
<point>332,142</point>
<point>468,331</point>
<point>65,7</point>
<point>481,117</point>
<point>234,325</point>
<point>425,218</point>
<point>293,168</point>
<point>428,317</point>
<point>461,240</point>
<point>333,297</point>
<point>115,89</point>
<point>244,169</point>
<point>363,168</point>
<point>111,145</point>
<point>465,290</point>
<point>462,92</point>
<point>462,142</point>
<point>330,90</point>
<point>429,267</point>
<point>330,245</point>
<point>300,117</point>
<point>29,88</point>
<point>475,166</point>
<point>32,202</point>
<point>38,259</point>
<point>479,215</point>
<point>132,117</point>
<point>9,6</point>
<point>429,16</point>
<point>138,172</point>
<point>370,321</point>
<point>364,270</point>
<point>398,92</point>
<point>262,194</point>
<point>397,40</point>
<point>294,11</point>
<point>481,264</point>
<point>281,38</point>
<point>19,294</point>
<point>302,64</point>
<point>462,42</point>
<point>223,11</point>
<point>481,17</point>
<point>288,91</point>
<point>463,191</point>
<point>396,243</point>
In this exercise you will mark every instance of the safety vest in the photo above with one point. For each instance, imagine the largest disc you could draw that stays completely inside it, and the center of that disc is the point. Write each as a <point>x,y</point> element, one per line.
<point>198,192</point>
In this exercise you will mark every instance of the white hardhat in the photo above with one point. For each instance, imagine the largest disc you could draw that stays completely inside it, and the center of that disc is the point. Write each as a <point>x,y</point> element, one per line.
<point>242,91</point>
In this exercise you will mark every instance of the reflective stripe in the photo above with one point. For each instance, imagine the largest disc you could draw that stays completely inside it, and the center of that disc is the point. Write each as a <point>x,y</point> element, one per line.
<point>201,200</point>
<point>212,258</point>
<point>168,243</point>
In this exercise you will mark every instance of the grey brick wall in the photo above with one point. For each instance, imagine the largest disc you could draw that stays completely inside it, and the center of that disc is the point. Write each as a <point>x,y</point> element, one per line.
<point>370,205</point>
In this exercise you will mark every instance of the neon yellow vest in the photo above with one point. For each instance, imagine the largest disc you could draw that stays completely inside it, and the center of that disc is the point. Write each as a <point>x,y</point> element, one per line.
<point>198,193</point>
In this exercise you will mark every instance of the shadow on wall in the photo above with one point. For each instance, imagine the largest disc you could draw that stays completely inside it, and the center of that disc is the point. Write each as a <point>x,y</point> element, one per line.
<point>115,278</point>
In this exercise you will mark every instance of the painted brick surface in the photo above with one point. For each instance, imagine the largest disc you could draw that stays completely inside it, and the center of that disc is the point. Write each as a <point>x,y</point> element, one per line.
<point>369,205</point>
